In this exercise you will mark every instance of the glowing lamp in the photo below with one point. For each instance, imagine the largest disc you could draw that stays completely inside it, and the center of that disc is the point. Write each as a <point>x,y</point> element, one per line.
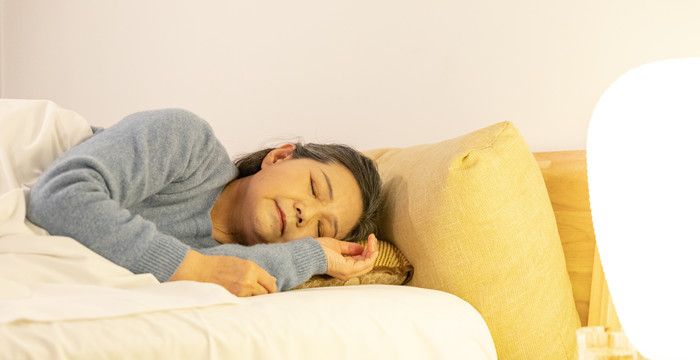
<point>643,156</point>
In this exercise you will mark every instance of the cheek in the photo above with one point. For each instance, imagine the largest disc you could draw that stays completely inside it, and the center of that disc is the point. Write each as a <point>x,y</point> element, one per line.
<point>263,223</point>
<point>255,220</point>
<point>252,221</point>
<point>262,216</point>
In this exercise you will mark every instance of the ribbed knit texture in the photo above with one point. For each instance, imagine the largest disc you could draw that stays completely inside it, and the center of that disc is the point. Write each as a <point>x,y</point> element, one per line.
<point>306,260</point>
<point>140,193</point>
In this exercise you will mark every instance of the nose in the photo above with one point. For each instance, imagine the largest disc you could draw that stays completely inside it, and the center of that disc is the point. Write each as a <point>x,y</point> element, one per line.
<point>306,212</point>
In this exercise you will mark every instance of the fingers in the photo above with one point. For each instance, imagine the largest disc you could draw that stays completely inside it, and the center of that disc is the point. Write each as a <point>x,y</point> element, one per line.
<point>372,245</point>
<point>263,280</point>
<point>268,281</point>
<point>259,289</point>
<point>248,290</point>
<point>368,250</point>
<point>374,250</point>
<point>364,263</point>
<point>350,248</point>
<point>253,280</point>
<point>358,251</point>
<point>345,267</point>
<point>346,247</point>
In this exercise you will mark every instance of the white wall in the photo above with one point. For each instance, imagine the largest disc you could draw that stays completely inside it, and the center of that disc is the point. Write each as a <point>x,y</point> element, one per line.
<point>2,42</point>
<point>365,73</point>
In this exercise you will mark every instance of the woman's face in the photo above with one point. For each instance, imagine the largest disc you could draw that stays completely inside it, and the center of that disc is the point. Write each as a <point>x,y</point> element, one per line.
<point>316,199</point>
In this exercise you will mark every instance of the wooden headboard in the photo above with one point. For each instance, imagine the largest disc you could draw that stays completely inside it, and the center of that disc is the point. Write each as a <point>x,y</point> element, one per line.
<point>566,178</point>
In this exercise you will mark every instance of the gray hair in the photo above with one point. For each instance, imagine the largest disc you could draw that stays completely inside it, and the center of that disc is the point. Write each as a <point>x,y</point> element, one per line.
<point>362,168</point>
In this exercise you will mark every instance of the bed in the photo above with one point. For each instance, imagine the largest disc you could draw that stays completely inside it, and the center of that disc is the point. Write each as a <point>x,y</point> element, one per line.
<point>58,299</point>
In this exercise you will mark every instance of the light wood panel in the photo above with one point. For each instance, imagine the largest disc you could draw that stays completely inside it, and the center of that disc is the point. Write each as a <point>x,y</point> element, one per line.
<point>601,310</point>
<point>565,175</point>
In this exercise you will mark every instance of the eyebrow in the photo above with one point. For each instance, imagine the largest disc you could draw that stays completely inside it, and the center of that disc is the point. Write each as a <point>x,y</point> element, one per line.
<point>330,187</point>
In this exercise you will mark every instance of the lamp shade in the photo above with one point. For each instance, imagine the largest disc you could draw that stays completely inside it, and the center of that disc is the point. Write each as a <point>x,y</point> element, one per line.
<point>643,156</point>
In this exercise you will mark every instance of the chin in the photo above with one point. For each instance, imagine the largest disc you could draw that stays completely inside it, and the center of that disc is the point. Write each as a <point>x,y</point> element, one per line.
<point>255,241</point>
<point>257,238</point>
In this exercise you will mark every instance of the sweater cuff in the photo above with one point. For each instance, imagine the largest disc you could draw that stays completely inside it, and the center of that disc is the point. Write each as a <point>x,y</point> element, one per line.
<point>162,258</point>
<point>309,257</point>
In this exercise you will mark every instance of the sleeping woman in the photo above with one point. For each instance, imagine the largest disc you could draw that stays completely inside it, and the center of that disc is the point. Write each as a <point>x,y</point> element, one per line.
<point>157,193</point>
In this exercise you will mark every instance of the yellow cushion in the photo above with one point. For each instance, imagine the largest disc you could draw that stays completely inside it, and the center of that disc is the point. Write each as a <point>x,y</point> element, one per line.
<point>390,268</point>
<point>473,217</point>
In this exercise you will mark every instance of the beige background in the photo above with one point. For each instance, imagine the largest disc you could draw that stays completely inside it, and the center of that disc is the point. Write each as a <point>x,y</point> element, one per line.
<point>364,73</point>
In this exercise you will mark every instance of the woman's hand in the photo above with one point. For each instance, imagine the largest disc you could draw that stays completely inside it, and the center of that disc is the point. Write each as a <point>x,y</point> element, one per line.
<point>239,276</point>
<point>346,259</point>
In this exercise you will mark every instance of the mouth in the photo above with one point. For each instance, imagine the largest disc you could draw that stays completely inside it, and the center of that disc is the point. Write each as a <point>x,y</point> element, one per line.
<point>283,223</point>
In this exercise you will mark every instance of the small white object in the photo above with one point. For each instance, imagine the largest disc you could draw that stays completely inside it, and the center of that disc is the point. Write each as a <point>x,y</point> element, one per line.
<point>643,155</point>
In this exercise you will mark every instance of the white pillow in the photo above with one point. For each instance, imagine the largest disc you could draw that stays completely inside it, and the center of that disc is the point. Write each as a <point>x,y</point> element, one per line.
<point>33,133</point>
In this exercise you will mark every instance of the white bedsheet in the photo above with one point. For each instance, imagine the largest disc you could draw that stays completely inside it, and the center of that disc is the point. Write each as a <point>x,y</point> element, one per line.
<point>58,299</point>
<point>351,322</point>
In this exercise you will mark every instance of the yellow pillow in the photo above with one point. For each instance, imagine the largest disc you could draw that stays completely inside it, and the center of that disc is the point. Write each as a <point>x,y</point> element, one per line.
<point>473,217</point>
<point>390,268</point>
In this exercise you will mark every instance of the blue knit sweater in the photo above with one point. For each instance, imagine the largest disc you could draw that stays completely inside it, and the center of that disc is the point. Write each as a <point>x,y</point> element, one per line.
<point>140,193</point>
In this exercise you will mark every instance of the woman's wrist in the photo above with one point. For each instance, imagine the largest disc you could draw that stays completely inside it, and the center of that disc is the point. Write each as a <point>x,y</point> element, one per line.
<point>190,267</point>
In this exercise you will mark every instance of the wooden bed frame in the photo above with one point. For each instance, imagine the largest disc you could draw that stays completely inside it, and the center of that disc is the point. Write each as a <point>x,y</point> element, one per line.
<point>566,179</point>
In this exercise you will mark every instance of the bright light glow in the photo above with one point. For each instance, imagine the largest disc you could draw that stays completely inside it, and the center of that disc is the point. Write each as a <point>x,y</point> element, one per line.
<point>643,155</point>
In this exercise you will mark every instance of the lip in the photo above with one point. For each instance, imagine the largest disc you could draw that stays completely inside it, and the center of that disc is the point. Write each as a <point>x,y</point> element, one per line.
<point>283,222</point>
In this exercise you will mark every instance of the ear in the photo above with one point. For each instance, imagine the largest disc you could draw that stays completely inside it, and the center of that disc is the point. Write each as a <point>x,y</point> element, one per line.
<point>281,153</point>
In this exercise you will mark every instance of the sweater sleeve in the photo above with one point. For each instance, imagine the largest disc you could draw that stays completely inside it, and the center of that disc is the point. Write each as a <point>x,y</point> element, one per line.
<point>292,262</point>
<point>85,194</point>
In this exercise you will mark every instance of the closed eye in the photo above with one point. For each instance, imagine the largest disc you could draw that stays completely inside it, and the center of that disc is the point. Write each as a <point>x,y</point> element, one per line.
<point>313,191</point>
